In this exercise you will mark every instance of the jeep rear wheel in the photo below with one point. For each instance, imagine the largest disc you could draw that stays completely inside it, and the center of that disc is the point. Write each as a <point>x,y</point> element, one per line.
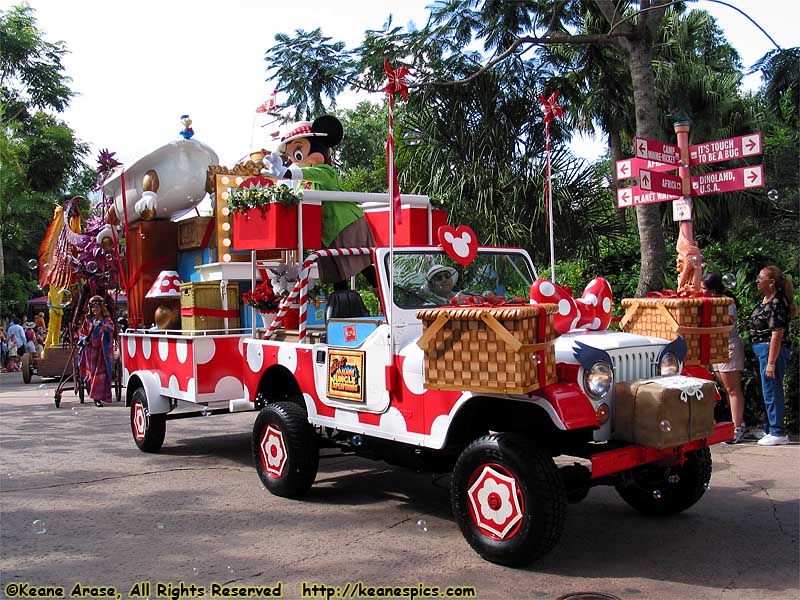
<point>508,499</point>
<point>664,491</point>
<point>285,449</point>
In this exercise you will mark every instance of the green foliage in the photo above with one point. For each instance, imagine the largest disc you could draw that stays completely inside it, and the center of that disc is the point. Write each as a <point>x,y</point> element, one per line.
<point>362,156</point>
<point>31,72</point>
<point>14,294</point>
<point>243,199</point>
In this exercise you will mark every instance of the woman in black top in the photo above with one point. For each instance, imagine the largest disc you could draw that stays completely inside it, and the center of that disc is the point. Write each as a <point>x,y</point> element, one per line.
<point>769,334</point>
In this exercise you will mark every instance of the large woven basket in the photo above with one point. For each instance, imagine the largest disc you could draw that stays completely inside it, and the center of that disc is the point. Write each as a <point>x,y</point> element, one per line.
<point>492,349</point>
<point>703,323</point>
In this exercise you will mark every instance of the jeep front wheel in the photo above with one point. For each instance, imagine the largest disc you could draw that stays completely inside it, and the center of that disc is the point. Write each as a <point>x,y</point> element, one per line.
<point>508,499</point>
<point>285,449</point>
<point>664,491</point>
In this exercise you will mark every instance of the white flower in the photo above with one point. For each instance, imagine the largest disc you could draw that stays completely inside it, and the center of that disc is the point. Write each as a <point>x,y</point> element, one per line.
<point>274,451</point>
<point>505,509</point>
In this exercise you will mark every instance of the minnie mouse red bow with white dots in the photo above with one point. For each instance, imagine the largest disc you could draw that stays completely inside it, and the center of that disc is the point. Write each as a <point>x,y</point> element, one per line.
<point>591,311</point>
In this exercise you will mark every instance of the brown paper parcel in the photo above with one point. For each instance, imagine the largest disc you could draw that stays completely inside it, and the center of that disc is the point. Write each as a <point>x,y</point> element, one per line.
<point>488,349</point>
<point>670,317</point>
<point>642,410</point>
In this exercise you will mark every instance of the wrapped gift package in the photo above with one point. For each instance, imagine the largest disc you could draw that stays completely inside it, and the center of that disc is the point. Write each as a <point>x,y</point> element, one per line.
<point>411,229</point>
<point>204,306</point>
<point>505,349</point>
<point>703,322</point>
<point>664,412</point>
<point>274,226</point>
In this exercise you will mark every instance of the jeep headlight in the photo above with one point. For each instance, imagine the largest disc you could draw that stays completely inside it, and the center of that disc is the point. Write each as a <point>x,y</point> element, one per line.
<point>669,365</point>
<point>597,380</point>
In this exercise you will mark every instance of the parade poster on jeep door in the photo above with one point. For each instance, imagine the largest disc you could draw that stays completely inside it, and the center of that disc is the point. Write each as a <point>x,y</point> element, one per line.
<point>346,375</point>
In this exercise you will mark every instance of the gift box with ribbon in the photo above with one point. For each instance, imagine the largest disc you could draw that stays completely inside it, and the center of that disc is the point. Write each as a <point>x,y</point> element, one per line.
<point>702,321</point>
<point>206,306</point>
<point>663,412</point>
<point>492,348</point>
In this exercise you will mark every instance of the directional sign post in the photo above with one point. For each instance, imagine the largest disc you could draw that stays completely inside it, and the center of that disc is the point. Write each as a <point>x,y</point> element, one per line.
<point>728,181</point>
<point>727,149</point>
<point>630,167</point>
<point>660,182</point>
<point>633,196</point>
<point>659,151</point>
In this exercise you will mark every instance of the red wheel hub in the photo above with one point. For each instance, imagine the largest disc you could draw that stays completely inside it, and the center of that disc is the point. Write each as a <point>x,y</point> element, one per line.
<point>273,451</point>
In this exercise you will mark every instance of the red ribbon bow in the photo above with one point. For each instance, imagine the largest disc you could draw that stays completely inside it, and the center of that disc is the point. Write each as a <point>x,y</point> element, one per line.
<point>397,80</point>
<point>550,107</point>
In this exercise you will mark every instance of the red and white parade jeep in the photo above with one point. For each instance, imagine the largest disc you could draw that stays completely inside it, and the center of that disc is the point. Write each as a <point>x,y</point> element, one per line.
<point>433,387</point>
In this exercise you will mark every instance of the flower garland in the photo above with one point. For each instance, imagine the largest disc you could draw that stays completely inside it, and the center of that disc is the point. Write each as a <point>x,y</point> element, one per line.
<point>243,199</point>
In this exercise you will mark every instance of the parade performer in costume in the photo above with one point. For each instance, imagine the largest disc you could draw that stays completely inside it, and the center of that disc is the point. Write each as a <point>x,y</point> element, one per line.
<point>97,335</point>
<point>308,147</point>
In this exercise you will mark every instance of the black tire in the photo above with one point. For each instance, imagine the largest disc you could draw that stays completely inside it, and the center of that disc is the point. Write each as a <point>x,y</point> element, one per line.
<point>536,520</point>
<point>148,430</point>
<point>652,494</point>
<point>117,379</point>
<point>27,367</point>
<point>285,449</point>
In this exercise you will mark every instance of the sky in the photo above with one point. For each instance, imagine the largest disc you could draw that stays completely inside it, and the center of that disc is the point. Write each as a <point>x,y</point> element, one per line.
<point>138,66</point>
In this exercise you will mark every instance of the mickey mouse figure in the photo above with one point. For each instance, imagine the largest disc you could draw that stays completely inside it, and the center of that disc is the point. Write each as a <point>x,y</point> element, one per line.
<point>307,145</point>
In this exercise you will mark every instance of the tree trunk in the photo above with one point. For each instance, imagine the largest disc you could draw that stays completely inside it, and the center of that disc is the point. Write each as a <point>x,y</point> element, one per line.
<point>615,148</point>
<point>2,257</point>
<point>648,216</point>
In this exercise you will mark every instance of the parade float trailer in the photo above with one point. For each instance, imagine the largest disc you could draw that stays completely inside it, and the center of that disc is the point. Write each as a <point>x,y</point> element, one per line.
<point>491,390</point>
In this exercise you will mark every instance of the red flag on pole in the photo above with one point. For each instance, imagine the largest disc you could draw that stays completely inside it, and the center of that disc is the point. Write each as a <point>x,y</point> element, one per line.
<point>396,83</point>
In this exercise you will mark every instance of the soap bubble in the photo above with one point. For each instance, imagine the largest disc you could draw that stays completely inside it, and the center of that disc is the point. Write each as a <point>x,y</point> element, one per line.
<point>91,267</point>
<point>43,392</point>
<point>729,280</point>
<point>229,569</point>
<point>66,297</point>
<point>33,264</point>
<point>422,525</point>
<point>195,571</point>
<point>159,526</point>
<point>109,257</point>
<point>205,411</point>
<point>39,527</point>
<point>773,195</point>
<point>75,411</point>
<point>657,494</point>
<point>665,426</point>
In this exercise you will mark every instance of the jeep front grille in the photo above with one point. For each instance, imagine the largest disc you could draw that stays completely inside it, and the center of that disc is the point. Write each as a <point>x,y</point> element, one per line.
<point>631,364</point>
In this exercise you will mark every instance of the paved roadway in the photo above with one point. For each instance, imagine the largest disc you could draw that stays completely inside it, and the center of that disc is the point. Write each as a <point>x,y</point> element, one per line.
<point>197,512</point>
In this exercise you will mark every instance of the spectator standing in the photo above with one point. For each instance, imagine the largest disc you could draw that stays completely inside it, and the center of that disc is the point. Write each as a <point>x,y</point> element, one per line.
<point>39,321</point>
<point>769,334</point>
<point>730,373</point>
<point>16,342</point>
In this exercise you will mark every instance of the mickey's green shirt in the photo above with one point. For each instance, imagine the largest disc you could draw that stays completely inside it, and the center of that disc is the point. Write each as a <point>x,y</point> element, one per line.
<point>335,215</point>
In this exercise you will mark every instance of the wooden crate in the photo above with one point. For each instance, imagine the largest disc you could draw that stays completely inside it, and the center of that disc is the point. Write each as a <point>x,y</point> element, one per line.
<point>493,349</point>
<point>703,323</point>
<point>201,306</point>
<point>191,233</point>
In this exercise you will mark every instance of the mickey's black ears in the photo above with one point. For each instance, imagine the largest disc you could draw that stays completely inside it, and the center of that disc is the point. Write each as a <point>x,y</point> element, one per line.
<point>331,126</point>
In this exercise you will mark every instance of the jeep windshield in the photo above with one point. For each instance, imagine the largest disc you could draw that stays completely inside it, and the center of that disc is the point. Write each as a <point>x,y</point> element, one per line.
<point>431,278</point>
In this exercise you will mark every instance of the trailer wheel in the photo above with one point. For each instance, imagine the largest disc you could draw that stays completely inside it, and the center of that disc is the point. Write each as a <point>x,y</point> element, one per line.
<point>148,430</point>
<point>285,449</point>
<point>27,367</point>
<point>664,491</point>
<point>508,499</point>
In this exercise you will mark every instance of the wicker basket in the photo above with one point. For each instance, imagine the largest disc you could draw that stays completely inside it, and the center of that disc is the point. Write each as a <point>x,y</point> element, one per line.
<point>494,349</point>
<point>201,306</point>
<point>703,323</point>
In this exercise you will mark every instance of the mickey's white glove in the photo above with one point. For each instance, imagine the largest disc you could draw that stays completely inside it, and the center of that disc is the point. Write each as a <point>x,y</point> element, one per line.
<point>273,166</point>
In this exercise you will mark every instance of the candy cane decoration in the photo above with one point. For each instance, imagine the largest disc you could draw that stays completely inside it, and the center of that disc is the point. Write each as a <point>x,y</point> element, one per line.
<point>300,289</point>
<point>551,110</point>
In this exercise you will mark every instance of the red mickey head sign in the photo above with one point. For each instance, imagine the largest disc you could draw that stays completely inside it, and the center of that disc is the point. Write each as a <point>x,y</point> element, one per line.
<point>460,243</point>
